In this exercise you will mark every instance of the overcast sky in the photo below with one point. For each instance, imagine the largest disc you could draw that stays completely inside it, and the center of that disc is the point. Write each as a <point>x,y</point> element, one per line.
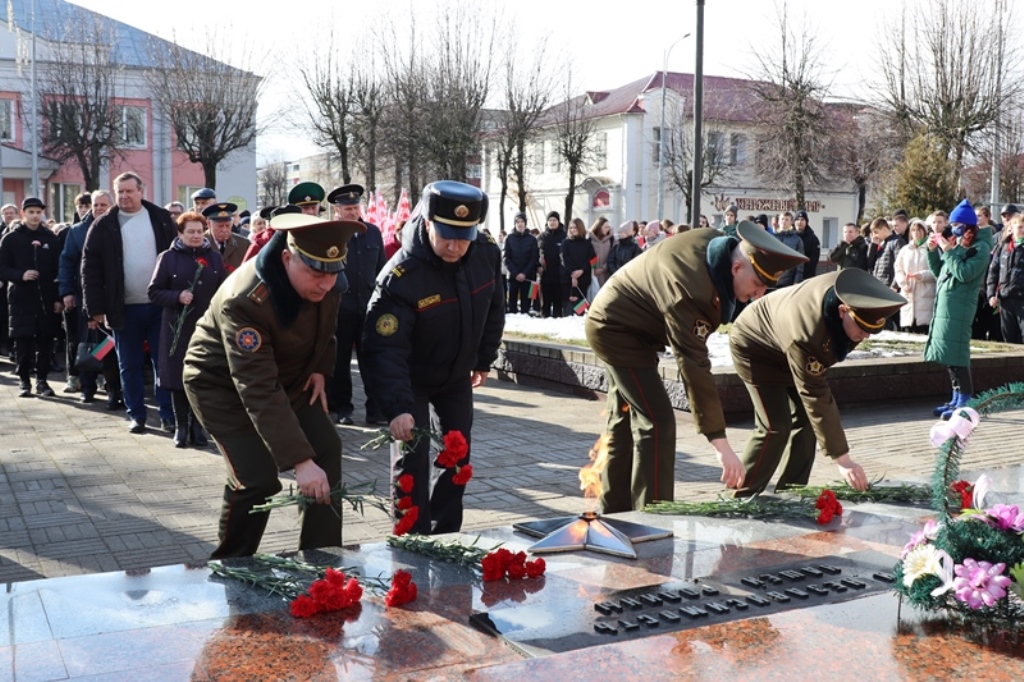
<point>609,43</point>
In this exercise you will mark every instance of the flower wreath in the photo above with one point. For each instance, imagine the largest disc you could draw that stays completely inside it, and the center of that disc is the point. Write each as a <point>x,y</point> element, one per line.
<point>969,561</point>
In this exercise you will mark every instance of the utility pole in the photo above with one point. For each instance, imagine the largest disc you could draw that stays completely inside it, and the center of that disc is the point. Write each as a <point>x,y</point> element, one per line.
<point>698,117</point>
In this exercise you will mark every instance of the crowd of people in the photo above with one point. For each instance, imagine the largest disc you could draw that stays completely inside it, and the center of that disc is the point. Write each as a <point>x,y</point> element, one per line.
<point>248,324</point>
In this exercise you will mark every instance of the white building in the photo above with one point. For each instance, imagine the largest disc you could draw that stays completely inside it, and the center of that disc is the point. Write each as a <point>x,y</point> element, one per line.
<point>623,182</point>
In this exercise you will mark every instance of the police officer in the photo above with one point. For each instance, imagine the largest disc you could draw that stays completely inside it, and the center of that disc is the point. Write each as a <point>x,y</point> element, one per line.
<point>677,293</point>
<point>432,331</point>
<point>231,246</point>
<point>255,374</point>
<point>307,196</point>
<point>782,347</point>
<point>364,261</point>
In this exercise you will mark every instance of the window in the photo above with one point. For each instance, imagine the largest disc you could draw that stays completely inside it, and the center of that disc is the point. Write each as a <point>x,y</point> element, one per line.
<point>132,121</point>
<point>656,147</point>
<point>6,120</point>
<point>63,121</point>
<point>830,233</point>
<point>715,152</point>
<point>737,149</point>
<point>601,151</point>
<point>538,157</point>
<point>556,160</point>
<point>62,201</point>
<point>185,194</point>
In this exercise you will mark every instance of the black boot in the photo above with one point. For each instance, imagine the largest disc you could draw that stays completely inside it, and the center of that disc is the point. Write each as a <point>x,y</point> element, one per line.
<point>182,412</point>
<point>180,436</point>
<point>196,435</point>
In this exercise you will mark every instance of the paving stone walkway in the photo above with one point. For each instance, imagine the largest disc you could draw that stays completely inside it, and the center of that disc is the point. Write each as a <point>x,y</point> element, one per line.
<point>79,494</point>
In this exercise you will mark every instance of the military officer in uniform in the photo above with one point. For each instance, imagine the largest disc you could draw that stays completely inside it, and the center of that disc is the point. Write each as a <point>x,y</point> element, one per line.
<point>782,346</point>
<point>677,293</point>
<point>364,261</point>
<point>432,330</point>
<point>255,374</point>
<point>307,196</point>
<point>231,246</point>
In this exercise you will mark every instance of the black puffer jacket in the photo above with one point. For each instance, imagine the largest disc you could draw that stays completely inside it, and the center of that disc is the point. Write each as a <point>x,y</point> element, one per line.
<point>1006,272</point>
<point>577,252</point>
<point>550,245</point>
<point>31,304</point>
<point>429,322</point>
<point>520,255</point>
<point>622,252</point>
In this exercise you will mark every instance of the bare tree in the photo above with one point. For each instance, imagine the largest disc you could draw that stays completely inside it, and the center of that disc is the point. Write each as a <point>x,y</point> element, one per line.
<point>209,104</point>
<point>81,79</point>
<point>791,91</point>
<point>943,69</point>
<point>865,145</point>
<point>678,150</point>
<point>575,142</point>
<point>368,109</point>
<point>527,94</point>
<point>273,183</point>
<point>329,101</point>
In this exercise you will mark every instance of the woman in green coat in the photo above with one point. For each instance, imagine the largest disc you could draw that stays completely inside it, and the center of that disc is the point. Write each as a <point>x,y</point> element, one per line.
<point>959,260</point>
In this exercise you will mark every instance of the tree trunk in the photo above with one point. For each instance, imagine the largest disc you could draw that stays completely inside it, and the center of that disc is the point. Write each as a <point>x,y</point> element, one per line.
<point>567,216</point>
<point>210,173</point>
<point>520,173</point>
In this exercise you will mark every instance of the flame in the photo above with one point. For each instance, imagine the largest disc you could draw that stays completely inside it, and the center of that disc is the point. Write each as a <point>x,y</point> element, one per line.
<point>590,474</point>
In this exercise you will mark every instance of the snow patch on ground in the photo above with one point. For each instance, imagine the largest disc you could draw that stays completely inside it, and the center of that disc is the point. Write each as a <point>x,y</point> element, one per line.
<point>571,329</point>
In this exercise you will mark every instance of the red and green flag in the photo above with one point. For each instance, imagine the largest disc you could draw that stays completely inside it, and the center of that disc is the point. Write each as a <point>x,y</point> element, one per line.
<point>581,307</point>
<point>593,262</point>
<point>534,291</point>
<point>102,348</point>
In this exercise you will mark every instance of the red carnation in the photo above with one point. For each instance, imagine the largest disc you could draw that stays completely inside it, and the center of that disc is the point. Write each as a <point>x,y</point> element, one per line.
<point>463,475</point>
<point>405,483</point>
<point>202,262</point>
<point>404,503</point>
<point>407,521</point>
<point>455,443</point>
<point>829,506</point>
<point>403,589</point>
<point>446,459</point>
<point>966,492</point>
<point>535,568</point>
<point>303,606</point>
<point>516,571</point>
<point>492,568</point>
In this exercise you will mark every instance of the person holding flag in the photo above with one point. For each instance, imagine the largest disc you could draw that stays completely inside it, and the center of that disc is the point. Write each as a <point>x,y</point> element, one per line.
<point>578,259</point>
<point>519,258</point>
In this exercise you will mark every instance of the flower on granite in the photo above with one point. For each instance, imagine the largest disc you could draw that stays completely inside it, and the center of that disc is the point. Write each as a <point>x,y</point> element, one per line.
<point>535,568</point>
<point>1006,517</point>
<point>333,592</point>
<point>463,474</point>
<point>828,505</point>
<point>980,583</point>
<point>502,562</point>
<point>921,561</point>
<point>926,534</point>
<point>403,589</point>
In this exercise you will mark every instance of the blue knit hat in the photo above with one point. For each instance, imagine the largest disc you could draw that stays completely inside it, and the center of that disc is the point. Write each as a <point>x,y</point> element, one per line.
<point>964,214</point>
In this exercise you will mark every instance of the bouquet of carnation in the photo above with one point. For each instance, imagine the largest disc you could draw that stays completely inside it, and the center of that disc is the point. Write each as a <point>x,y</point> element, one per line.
<point>969,562</point>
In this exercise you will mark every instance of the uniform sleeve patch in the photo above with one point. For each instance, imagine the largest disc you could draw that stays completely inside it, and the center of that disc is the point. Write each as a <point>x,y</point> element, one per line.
<point>815,368</point>
<point>428,301</point>
<point>248,339</point>
<point>387,324</point>
<point>701,329</point>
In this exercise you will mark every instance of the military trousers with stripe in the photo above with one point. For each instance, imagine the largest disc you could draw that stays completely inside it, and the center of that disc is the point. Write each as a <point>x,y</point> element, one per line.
<point>641,444</point>
<point>783,437</point>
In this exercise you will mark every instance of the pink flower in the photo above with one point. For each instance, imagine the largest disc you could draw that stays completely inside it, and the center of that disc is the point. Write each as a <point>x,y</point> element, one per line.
<point>979,583</point>
<point>1006,517</point>
<point>929,532</point>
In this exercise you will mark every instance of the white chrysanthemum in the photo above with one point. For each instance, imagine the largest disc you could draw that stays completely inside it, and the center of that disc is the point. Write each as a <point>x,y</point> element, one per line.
<point>922,560</point>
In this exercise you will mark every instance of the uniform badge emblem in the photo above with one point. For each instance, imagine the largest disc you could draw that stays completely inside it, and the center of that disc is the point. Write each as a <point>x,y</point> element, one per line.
<point>248,339</point>
<point>398,271</point>
<point>333,252</point>
<point>815,368</point>
<point>428,301</point>
<point>701,329</point>
<point>387,324</point>
<point>309,198</point>
<point>461,211</point>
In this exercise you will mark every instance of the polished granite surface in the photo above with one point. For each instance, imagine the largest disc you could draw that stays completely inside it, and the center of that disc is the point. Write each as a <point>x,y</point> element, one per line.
<point>179,622</point>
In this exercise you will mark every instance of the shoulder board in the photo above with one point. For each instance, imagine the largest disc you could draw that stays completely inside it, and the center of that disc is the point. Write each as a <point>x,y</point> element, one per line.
<point>488,236</point>
<point>397,271</point>
<point>259,293</point>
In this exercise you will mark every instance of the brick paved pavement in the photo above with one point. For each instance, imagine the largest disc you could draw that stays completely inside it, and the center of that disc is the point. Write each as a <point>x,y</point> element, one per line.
<point>79,494</point>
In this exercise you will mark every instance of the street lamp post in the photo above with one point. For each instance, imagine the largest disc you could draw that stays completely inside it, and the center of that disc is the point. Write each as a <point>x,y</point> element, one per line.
<point>661,132</point>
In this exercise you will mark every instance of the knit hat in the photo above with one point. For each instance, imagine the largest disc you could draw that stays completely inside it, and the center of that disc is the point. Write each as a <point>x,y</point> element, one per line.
<point>800,214</point>
<point>628,225</point>
<point>555,215</point>
<point>732,209</point>
<point>520,216</point>
<point>964,214</point>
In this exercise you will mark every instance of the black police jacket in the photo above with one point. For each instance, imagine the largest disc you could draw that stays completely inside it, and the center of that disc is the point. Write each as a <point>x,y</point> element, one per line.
<point>364,261</point>
<point>431,323</point>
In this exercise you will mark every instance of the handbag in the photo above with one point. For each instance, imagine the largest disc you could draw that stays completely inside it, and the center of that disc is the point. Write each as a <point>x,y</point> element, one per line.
<point>86,359</point>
